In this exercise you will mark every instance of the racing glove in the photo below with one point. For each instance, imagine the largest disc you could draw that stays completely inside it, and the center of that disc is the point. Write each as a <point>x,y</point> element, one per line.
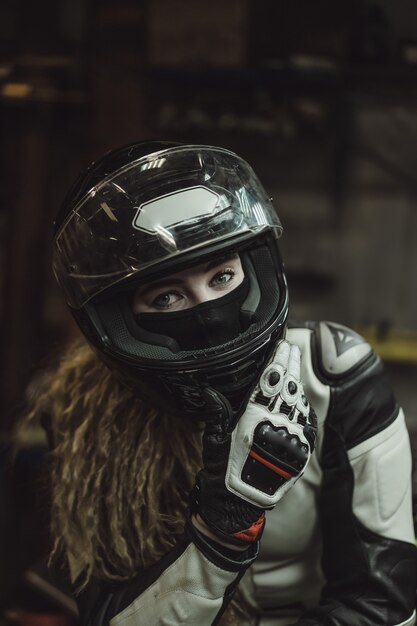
<point>250,465</point>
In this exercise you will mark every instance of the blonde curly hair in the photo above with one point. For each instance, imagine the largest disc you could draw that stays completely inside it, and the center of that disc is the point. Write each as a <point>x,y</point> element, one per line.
<point>121,471</point>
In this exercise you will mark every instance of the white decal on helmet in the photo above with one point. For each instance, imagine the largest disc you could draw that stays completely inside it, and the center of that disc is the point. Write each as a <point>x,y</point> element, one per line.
<point>158,214</point>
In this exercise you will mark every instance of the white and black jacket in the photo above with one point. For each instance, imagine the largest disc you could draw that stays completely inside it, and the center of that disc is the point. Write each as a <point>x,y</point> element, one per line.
<point>338,550</point>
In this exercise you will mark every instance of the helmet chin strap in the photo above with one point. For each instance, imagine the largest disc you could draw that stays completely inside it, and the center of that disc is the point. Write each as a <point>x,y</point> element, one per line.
<point>206,325</point>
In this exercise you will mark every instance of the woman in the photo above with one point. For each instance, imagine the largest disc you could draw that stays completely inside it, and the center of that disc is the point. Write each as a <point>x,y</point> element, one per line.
<point>172,460</point>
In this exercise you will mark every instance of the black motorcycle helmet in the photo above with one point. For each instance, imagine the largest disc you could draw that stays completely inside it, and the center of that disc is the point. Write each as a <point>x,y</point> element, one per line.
<point>149,210</point>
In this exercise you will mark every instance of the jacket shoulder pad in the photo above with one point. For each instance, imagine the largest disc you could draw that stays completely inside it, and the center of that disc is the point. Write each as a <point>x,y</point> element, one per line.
<point>339,350</point>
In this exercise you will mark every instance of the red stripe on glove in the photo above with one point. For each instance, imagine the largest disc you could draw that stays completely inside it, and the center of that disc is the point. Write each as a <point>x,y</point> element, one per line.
<point>274,468</point>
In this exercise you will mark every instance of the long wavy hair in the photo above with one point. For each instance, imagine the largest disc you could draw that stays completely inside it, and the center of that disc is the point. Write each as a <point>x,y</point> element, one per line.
<point>121,471</point>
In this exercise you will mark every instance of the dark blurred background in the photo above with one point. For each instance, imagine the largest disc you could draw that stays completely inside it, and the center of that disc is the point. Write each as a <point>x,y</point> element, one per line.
<point>320,97</point>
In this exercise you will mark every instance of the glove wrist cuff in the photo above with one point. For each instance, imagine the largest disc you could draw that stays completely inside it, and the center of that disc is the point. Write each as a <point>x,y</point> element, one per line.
<point>231,519</point>
<point>204,529</point>
<point>226,558</point>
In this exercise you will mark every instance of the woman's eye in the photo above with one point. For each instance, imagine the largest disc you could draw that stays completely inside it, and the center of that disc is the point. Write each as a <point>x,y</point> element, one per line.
<point>223,277</point>
<point>165,300</point>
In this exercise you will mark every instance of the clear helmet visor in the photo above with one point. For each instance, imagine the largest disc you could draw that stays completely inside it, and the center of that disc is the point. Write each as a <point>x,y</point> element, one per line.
<point>156,209</point>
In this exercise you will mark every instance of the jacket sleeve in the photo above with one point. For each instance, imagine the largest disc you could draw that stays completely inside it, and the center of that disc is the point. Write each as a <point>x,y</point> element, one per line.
<point>369,553</point>
<point>192,584</point>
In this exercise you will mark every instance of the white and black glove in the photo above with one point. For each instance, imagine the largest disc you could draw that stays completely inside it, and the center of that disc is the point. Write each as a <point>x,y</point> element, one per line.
<point>248,467</point>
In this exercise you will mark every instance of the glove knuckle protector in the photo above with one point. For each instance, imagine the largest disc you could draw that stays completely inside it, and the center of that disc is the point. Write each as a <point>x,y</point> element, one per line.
<point>271,380</point>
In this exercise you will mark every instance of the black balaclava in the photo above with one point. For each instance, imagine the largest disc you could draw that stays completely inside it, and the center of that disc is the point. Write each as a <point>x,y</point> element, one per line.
<point>206,325</point>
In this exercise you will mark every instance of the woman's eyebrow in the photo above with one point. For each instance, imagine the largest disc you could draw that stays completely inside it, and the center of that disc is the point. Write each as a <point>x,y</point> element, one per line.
<point>220,260</point>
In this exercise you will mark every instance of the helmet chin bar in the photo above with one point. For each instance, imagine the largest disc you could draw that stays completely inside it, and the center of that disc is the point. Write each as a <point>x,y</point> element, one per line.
<point>234,381</point>
<point>179,391</point>
<point>173,380</point>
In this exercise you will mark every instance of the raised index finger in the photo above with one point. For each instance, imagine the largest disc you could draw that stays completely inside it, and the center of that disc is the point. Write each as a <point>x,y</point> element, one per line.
<point>294,363</point>
<point>282,355</point>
